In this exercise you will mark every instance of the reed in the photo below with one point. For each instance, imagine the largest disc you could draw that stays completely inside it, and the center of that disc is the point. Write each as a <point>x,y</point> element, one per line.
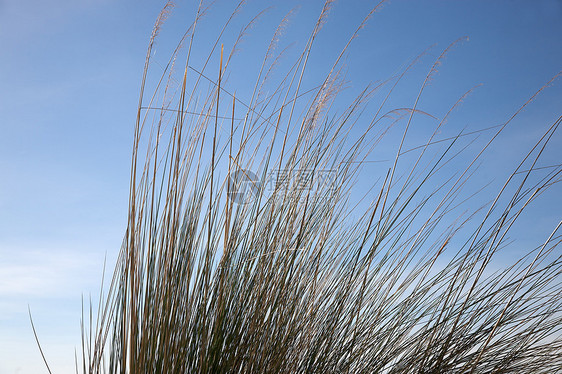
<point>221,273</point>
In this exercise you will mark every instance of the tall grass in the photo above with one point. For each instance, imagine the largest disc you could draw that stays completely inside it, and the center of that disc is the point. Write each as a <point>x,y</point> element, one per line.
<point>219,273</point>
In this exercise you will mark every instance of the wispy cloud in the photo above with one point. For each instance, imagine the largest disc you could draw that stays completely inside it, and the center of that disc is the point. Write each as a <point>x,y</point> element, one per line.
<point>40,273</point>
<point>51,281</point>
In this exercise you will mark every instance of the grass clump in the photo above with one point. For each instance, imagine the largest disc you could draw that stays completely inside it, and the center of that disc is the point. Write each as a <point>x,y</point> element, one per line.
<point>220,272</point>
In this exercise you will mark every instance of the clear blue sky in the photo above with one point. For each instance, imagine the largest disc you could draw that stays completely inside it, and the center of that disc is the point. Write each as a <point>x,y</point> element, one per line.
<point>69,80</point>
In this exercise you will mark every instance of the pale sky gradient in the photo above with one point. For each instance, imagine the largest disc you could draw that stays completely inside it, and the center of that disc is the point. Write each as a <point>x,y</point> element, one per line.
<point>69,79</point>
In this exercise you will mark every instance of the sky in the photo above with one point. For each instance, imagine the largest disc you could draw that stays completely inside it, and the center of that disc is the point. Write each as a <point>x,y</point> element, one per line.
<point>69,80</point>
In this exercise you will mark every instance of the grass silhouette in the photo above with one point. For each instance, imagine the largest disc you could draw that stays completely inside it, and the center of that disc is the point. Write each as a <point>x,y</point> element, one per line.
<point>225,274</point>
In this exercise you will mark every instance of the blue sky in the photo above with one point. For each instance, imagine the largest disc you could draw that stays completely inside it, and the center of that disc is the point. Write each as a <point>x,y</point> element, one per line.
<point>69,79</point>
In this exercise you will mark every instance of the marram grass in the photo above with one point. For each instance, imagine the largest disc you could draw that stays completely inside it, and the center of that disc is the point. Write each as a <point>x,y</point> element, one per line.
<point>219,274</point>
